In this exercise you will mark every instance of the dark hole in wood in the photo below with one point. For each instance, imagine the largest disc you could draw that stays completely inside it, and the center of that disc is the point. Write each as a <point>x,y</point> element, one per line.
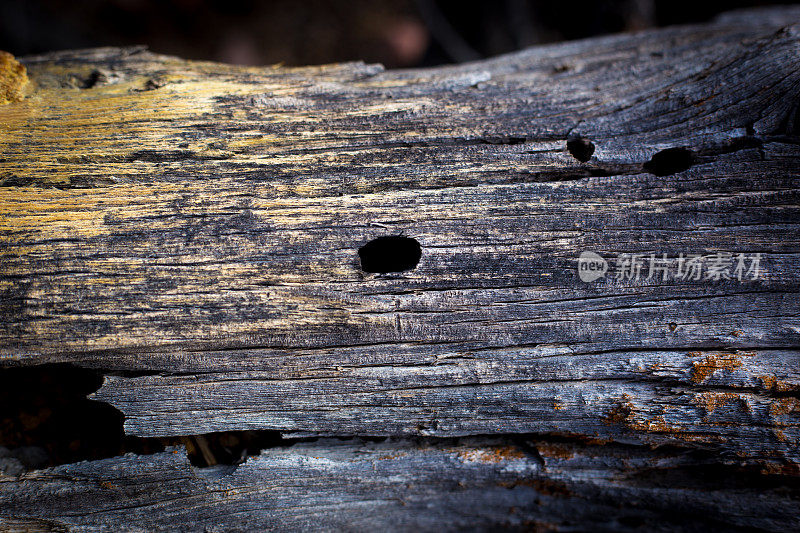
<point>393,253</point>
<point>228,447</point>
<point>669,161</point>
<point>581,149</point>
<point>673,326</point>
<point>94,79</point>
<point>46,419</point>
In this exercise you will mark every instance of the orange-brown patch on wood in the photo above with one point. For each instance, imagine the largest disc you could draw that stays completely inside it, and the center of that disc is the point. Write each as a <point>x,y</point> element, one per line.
<point>787,469</point>
<point>492,455</point>
<point>711,401</point>
<point>702,370</point>
<point>391,456</point>
<point>13,79</point>
<point>784,406</point>
<point>774,384</point>
<point>622,413</point>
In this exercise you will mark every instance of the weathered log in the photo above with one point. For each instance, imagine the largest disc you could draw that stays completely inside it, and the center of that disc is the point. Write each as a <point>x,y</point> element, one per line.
<point>397,485</point>
<point>193,229</point>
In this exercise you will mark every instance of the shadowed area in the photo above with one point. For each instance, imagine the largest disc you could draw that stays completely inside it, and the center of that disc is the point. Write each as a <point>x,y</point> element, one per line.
<point>46,420</point>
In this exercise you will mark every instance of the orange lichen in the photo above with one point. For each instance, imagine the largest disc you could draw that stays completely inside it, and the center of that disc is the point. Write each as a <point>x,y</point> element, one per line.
<point>702,370</point>
<point>768,382</point>
<point>622,413</point>
<point>390,456</point>
<point>788,469</point>
<point>777,410</point>
<point>784,406</point>
<point>773,384</point>
<point>657,424</point>
<point>493,455</point>
<point>12,79</point>
<point>711,401</point>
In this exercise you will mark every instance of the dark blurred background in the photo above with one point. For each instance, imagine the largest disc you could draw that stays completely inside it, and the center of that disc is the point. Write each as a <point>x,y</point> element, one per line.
<point>397,33</point>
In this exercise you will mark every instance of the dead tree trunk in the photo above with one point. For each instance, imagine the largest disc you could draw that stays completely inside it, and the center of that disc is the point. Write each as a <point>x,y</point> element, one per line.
<point>200,233</point>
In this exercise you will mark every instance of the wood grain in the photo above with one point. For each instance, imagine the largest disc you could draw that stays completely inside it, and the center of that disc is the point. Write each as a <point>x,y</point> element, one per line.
<point>192,229</point>
<point>403,486</point>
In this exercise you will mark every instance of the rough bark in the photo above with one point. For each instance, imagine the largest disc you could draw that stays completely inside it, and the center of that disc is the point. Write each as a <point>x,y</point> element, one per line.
<point>193,229</point>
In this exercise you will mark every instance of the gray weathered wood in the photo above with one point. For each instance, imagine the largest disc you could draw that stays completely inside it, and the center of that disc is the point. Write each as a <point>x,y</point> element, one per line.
<point>192,229</point>
<point>403,486</point>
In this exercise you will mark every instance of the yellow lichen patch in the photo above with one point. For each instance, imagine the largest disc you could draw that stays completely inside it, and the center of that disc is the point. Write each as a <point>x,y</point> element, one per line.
<point>13,79</point>
<point>493,455</point>
<point>702,370</point>
<point>55,213</point>
<point>94,135</point>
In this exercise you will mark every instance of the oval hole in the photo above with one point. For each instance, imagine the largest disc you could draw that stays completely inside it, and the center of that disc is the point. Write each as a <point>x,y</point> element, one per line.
<point>393,253</point>
<point>669,161</point>
<point>581,149</point>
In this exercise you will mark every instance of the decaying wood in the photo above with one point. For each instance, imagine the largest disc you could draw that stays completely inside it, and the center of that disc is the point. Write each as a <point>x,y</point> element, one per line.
<point>354,486</point>
<point>193,229</point>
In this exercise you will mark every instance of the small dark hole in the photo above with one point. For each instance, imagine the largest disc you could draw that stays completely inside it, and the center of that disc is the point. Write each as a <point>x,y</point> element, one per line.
<point>673,326</point>
<point>581,149</point>
<point>393,253</point>
<point>669,161</point>
<point>95,78</point>
<point>228,447</point>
